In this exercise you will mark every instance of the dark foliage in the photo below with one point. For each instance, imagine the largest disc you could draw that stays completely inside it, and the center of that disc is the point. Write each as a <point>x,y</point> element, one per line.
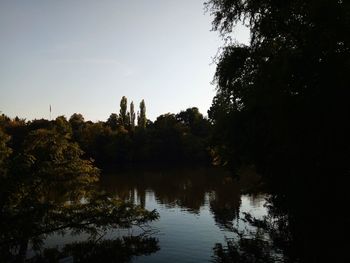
<point>46,187</point>
<point>282,105</point>
<point>117,250</point>
<point>181,138</point>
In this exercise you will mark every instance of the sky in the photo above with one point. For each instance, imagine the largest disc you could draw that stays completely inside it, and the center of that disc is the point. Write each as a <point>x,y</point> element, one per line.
<point>82,56</point>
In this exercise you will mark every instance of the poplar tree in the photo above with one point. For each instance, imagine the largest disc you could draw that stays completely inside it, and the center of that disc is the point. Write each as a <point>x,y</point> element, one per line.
<point>132,116</point>
<point>123,111</point>
<point>141,121</point>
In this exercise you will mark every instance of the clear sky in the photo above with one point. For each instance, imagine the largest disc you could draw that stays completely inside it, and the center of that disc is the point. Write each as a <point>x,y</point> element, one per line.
<point>83,56</point>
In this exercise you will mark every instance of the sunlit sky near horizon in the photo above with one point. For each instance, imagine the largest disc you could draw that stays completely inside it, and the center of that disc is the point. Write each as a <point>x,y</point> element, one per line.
<point>83,56</point>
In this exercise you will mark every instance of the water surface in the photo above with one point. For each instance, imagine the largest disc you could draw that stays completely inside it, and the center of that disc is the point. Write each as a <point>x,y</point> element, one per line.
<point>198,207</point>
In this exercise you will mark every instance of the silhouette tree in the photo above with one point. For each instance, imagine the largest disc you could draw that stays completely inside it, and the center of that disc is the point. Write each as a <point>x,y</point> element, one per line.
<point>280,105</point>
<point>76,121</point>
<point>46,173</point>
<point>112,121</point>
<point>281,83</point>
<point>123,111</point>
<point>142,120</point>
<point>132,116</point>
<point>193,119</point>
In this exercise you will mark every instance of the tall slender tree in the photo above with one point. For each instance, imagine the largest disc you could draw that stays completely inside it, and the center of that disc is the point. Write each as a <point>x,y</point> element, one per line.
<point>123,111</point>
<point>132,116</point>
<point>142,120</point>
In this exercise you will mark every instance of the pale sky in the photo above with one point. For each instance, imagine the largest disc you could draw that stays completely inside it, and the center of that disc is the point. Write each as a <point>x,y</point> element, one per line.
<point>82,56</point>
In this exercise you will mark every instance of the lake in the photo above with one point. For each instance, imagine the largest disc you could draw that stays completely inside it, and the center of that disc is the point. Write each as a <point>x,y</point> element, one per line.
<point>199,208</point>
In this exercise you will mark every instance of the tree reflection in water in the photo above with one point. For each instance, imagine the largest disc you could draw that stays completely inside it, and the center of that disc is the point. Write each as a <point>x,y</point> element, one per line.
<point>95,215</point>
<point>186,188</point>
<point>46,187</point>
<point>263,240</point>
<point>116,250</point>
<point>27,229</point>
<point>189,189</point>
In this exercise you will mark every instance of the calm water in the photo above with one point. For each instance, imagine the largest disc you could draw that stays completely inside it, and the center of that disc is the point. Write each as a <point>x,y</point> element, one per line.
<point>205,216</point>
<point>198,208</point>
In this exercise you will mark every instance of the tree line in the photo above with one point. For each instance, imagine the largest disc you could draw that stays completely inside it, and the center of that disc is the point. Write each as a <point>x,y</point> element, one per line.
<point>44,176</point>
<point>118,141</point>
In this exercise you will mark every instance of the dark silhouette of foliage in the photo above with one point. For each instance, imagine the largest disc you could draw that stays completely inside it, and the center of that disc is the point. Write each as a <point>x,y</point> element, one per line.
<point>112,121</point>
<point>274,94</point>
<point>5,152</point>
<point>141,118</point>
<point>47,187</point>
<point>281,105</point>
<point>193,119</point>
<point>132,116</point>
<point>76,121</point>
<point>123,112</point>
<point>117,250</point>
<point>180,138</point>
